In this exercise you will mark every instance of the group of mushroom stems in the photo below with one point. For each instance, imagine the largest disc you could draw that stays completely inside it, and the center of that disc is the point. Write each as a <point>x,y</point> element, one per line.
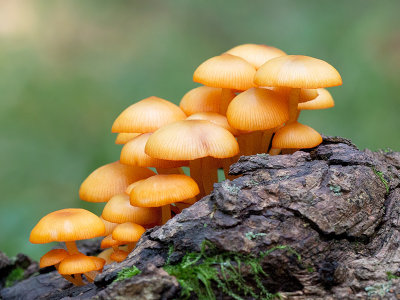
<point>249,102</point>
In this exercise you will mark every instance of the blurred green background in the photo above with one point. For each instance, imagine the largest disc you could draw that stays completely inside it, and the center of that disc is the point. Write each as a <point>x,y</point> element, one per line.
<point>68,68</point>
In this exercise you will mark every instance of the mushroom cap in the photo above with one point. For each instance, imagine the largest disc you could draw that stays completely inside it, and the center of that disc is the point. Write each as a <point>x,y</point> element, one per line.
<point>305,94</point>
<point>128,232</point>
<point>132,186</point>
<point>160,190</point>
<point>77,264</point>
<point>147,115</point>
<point>214,118</point>
<point>133,154</point>
<point>99,262</point>
<point>202,99</point>
<point>191,139</point>
<point>297,71</point>
<point>109,242</point>
<point>226,71</point>
<point>66,225</point>
<point>109,226</point>
<point>119,255</point>
<point>119,210</point>
<point>296,136</point>
<point>257,109</point>
<point>322,101</point>
<point>124,137</point>
<point>110,180</point>
<point>255,54</point>
<point>52,257</point>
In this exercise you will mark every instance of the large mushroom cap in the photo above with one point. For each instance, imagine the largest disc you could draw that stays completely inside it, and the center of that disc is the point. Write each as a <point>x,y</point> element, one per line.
<point>191,139</point>
<point>322,101</point>
<point>296,136</point>
<point>255,54</point>
<point>133,154</point>
<point>77,264</point>
<point>147,115</point>
<point>52,257</point>
<point>110,180</point>
<point>226,71</point>
<point>119,210</point>
<point>128,232</point>
<point>67,225</point>
<point>297,71</point>
<point>161,190</point>
<point>214,118</point>
<point>202,99</point>
<point>257,109</point>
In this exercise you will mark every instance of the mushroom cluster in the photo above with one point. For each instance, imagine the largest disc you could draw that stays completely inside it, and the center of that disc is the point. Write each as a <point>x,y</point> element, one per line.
<point>249,102</point>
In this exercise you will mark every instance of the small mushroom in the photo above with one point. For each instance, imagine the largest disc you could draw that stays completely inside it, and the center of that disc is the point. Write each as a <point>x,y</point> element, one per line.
<point>129,233</point>
<point>124,137</point>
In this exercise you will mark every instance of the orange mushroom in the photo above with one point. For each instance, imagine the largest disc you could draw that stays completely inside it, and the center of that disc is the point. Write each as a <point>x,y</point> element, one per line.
<point>196,141</point>
<point>227,72</point>
<point>124,137</point>
<point>162,190</point>
<point>322,101</point>
<point>110,180</point>
<point>147,115</point>
<point>67,225</point>
<point>133,154</point>
<point>203,99</point>
<point>129,233</point>
<point>255,54</point>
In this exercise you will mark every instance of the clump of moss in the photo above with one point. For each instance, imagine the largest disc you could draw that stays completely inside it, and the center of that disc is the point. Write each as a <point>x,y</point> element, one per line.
<point>15,275</point>
<point>199,272</point>
<point>382,178</point>
<point>128,273</point>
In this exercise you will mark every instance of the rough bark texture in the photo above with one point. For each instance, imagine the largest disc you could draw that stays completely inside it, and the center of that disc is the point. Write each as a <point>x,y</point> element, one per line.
<point>335,205</point>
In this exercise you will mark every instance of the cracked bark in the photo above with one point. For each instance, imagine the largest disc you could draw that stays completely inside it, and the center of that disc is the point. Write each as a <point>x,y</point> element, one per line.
<point>329,204</point>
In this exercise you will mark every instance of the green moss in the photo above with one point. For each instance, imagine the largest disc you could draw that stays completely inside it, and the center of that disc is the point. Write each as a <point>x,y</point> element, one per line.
<point>251,235</point>
<point>128,273</point>
<point>379,289</point>
<point>382,178</point>
<point>199,273</point>
<point>391,276</point>
<point>15,275</point>
<point>336,189</point>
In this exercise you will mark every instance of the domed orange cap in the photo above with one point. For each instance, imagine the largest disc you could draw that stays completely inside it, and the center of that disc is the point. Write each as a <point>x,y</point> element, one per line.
<point>128,232</point>
<point>124,137</point>
<point>119,210</point>
<point>110,180</point>
<point>99,262</point>
<point>322,101</point>
<point>202,99</point>
<point>52,257</point>
<point>191,139</point>
<point>109,242</point>
<point>147,115</point>
<point>297,71</point>
<point>133,154</point>
<point>226,71</point>
<point>255,54</point>
<point>119,255</point>
<point>160,190</point>
<point>109,226</point>
<point>67,225</point>
<point>257,109</point>
<point>216,119</point>
<point>296,136</point>
<point>77,264</point>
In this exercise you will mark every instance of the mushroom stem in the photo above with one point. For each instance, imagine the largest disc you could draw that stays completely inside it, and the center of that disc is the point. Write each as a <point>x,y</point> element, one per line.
<point>293,105</point>
<point>298,114</point>
<point>274,151</point>
<point>170,171</point>
<point>195,172</point>
<point>90,276</point>
<point>226,98</point>
<point>72,248</point>
<point>115,248</point>
<point>70,279</point>
<point>165,214</point>
<point>226,164</point>
<point>78,279</point>
<point>132,245</point>
<point>265,141</point>
<point>209,173</point>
